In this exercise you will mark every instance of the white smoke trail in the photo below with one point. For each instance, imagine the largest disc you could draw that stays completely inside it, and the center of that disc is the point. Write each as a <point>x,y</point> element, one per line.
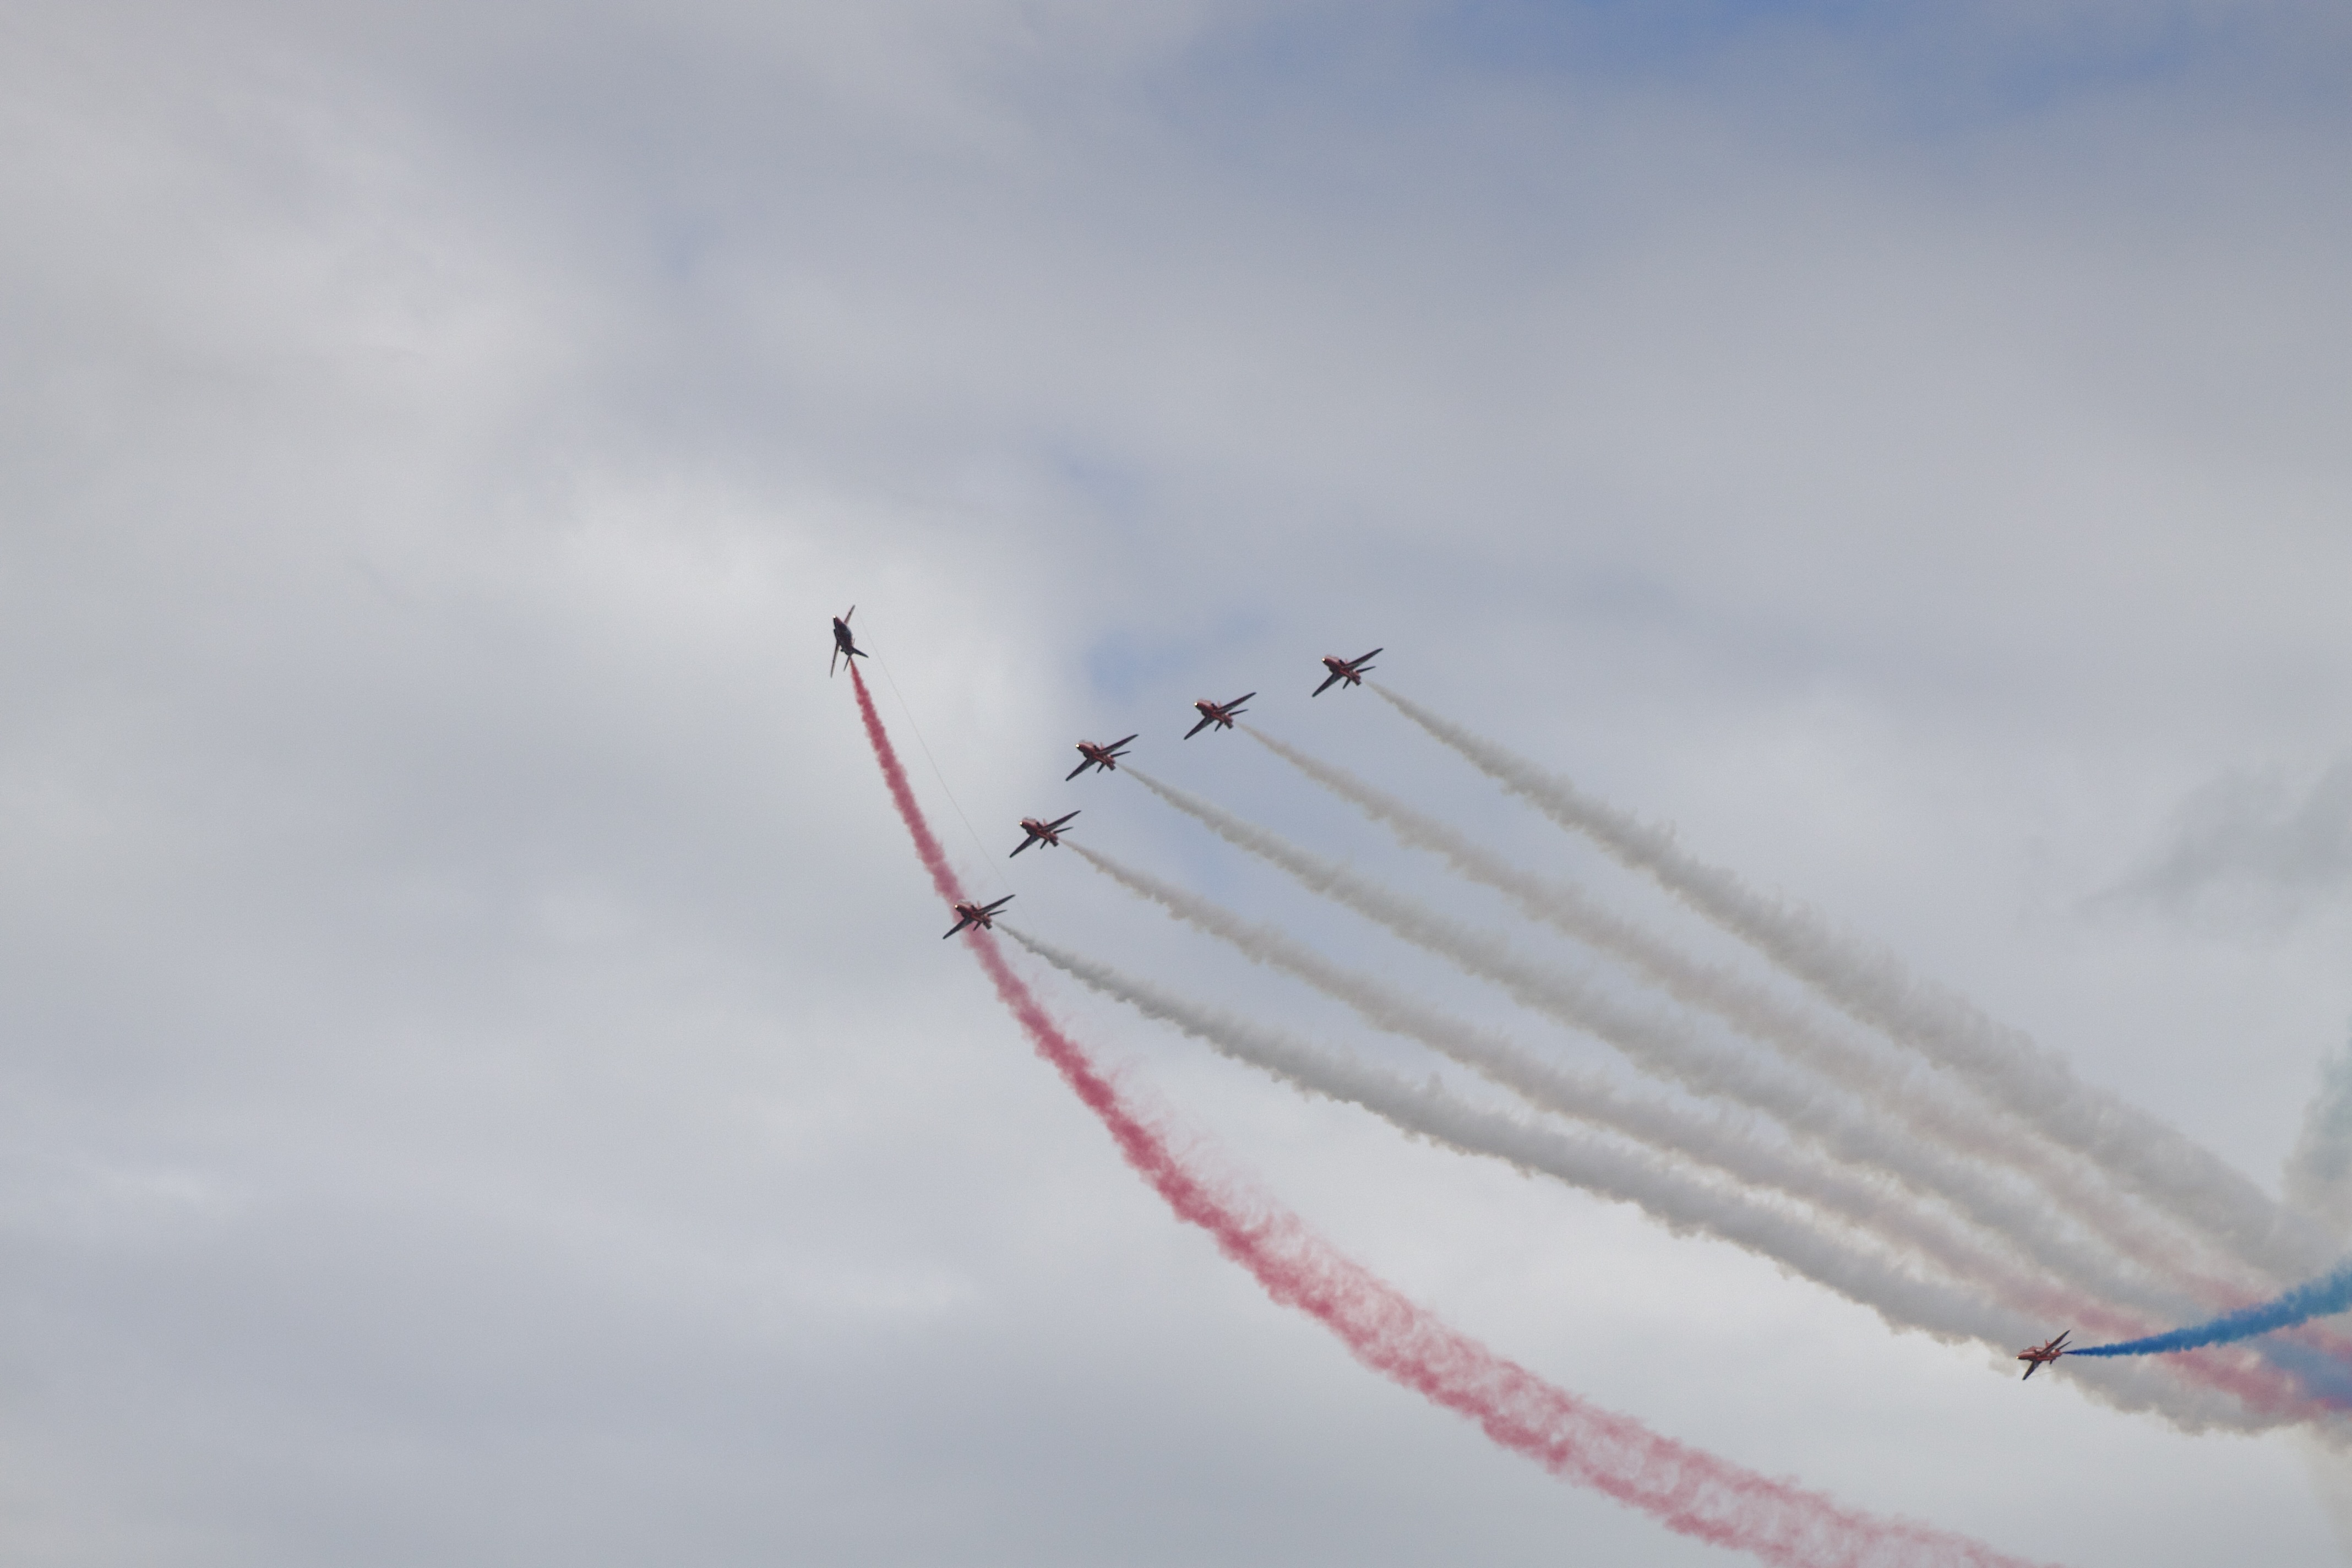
<point>1683,1204</point>
<point>2143,1154</point>
<point>1724,1142</point>
<point>1931,1104</point>
<point>1820,1114</point>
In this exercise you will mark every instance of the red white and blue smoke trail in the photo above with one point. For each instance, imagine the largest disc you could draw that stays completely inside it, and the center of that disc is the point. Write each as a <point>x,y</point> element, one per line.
<point>1979,1299</point>
<point>1886,1143</point>
<point>2136,1153</point>
<point>1687,1490</point>
<point>2213,1207</point>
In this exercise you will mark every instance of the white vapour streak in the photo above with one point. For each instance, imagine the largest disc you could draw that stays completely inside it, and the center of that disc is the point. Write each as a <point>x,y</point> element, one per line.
<point>1933,1105</point>
<point>1683,1204</point>
<point>1724,1142</point>
<point>1818,1113</point>
<point>2143,1154</point>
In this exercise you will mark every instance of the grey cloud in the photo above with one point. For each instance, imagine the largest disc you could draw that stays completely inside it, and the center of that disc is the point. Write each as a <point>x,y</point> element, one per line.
<point>478,1077</point>
<point>2251,849</point>
<point>2318,1177</point>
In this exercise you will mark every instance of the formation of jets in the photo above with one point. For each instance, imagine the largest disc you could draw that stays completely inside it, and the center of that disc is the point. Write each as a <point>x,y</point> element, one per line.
<point>1347,671</point>
<point>2042,1354</point>
<point>1092,754</point>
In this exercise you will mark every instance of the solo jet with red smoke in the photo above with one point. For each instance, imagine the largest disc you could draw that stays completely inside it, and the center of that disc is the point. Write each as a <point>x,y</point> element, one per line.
<point>1040,832</point>
<point>1103,757</point>
<point>980,915</point>
<point>844,648</point>
<point>1351,671</point>
<point>1221,714</point>
<point>2042,1354</point>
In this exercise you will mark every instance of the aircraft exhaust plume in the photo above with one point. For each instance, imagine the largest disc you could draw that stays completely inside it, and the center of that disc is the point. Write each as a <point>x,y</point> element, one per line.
<point>2142,1154</point>
<point>1720,1141</point>
<point>1932,1104</point>
<point>1683,1203</point>
<point>1685,1489</point>
<point>1815,1110</point>
<point>2222,1397</point>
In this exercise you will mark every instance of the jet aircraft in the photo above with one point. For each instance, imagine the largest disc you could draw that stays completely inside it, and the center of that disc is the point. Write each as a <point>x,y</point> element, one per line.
<point>1103,757</point>
<point>842,646</point>
<point>1351,671</point>
<point>1221,714</point>
<point>2042,1354</point>
<point>1040,832</point>
<point>980,915</point>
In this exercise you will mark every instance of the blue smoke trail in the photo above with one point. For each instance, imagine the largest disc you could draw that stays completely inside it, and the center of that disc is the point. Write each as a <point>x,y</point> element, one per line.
<point>2312,1298</point>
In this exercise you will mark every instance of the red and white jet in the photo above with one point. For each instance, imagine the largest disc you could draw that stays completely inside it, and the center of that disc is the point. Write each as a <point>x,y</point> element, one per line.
<point>844,648</point>
<point>980,915</point>
<point>2042,1354</point>
<point>1221,714</point>
<point>1103,757</point>
<point>1351,671</point>
<point>1040,832</point>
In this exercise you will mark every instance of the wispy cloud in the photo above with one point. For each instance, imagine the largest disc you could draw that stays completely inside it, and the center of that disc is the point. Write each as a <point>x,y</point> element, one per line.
<point>2251,850</point>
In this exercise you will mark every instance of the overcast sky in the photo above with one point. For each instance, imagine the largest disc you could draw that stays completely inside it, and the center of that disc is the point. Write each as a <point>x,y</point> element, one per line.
<point>479,1079</point>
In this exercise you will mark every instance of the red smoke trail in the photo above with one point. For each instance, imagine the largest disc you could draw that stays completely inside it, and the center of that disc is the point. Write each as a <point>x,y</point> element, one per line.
<point>1686,1490</point>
